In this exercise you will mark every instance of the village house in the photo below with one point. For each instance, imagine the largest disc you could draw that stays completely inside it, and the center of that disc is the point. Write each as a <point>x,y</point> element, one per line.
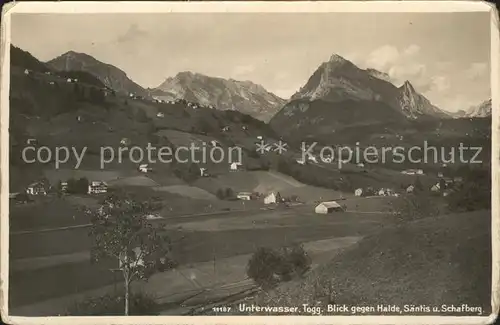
<point>358,192</point>
<point>272,198</point>
<point>64,187</point>
<point>244,128</point>
<point>52,83</point>
<point>361,165</point>
<point>97,187</point>
<point>312,158</point>
<point>31,141</point>
<point>214,143</point>
<point>300,161</point>
<point>440,175</point>
<point>160,115</point>
<point>436,187</point>
<point>327,160</point>
<point>26,72</point>
<point>125,142</point>
<point>225,129</point>
<point>144,168</point>
<point>328,207</point>
<point>259,137</point>
<point>245,196</point>
<point>381,192</point>
<point>234,166</point>
<point>410,189</point>
<point>37,188</point>
<point>458,179</point>
<point>203,172</point>
<point>68,80</point>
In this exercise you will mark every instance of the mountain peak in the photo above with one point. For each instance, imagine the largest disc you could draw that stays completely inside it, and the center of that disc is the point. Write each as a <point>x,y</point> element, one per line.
<point>337,58</point>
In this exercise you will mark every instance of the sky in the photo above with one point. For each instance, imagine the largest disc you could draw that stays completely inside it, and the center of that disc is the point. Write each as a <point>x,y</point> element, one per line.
<point>446,56</point>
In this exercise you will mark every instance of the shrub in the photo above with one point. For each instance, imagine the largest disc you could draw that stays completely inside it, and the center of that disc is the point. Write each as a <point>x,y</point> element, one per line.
<point>268,267</point>
<point>112,304</point>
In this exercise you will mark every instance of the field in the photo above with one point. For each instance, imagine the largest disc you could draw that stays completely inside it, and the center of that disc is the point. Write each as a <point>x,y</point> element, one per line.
<point>443,260</point>
<point>197,239</point>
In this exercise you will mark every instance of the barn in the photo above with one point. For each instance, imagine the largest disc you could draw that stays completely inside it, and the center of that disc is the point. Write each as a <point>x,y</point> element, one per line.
<point>328,207</point>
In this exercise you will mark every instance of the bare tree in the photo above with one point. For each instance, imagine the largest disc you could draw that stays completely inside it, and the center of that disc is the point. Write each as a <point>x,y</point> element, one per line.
<point>120,231</point>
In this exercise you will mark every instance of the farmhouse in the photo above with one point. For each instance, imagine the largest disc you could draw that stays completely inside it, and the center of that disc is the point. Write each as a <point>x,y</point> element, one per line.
<point>214,143</point>
<point>361,165</point>
<point>26,71</point>
<point>272,198</point>
<point>246,196</point>
<point>226,128</point>
<point>381,192</point>
<point>440,175</point>
<point>328,207</point>
<point>68,80</point>
<point>358,192</point>
<point>160,115</point>
<point>36,188</point>
<point>410,189</point>
<point>259,137</point>
<point>97,187</point>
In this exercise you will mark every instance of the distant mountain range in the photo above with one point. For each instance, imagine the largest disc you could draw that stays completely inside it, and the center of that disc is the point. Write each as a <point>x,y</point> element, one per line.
<point>225,94</point>
<point>335,83</point>
<point>481,110</point>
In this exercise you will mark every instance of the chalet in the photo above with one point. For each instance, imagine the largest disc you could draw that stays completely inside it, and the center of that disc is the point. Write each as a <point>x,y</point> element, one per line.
<point>26,72</point>
<point>328,207</point>
<point>358,192</point>
<point>274,197</point>
<point>244,128</point>
<point>225,129</point>
<point>68,80</point>
<point>31,141</point>
<point>440,175</point>
<point>214,143</point>
<point>97,187</point>
<point>259,137</point>
<point>410,189</point>
<point>36,188</point>
<point>52,83</point>
<point>160,115</point>
<point>361,165</point>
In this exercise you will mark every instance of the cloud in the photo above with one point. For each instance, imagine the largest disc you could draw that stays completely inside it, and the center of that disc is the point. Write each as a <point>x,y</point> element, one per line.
<point>440,81</point>
<point>477,70</point>
<point>383,57</point>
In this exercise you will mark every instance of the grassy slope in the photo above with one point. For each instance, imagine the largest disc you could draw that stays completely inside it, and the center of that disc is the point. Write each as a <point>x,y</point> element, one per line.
<point>446,260</point>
